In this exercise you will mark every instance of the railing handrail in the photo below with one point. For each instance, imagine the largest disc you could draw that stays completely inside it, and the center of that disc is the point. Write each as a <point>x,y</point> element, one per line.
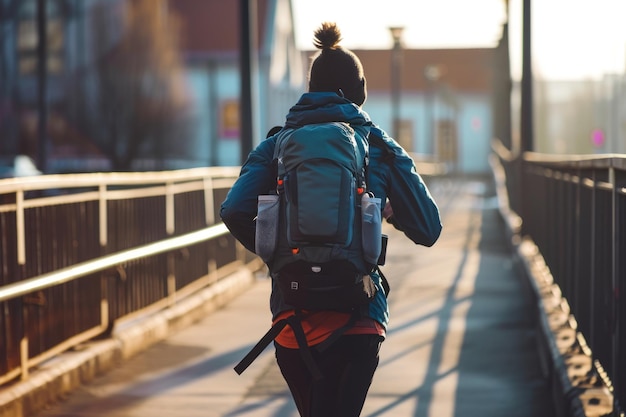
<point>505,154</point>
<point>85,268</point>
<point>44,182</point>
<point>617,161</point>
<point>64,245</point>
<point>605,160</point>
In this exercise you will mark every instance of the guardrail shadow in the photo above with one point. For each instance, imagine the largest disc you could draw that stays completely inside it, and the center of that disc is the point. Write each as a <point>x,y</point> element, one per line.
<point>484,315</point>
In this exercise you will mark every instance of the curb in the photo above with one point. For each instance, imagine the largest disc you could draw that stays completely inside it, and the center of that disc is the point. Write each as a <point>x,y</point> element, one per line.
<point>55,379</point>
<point>581,386</point>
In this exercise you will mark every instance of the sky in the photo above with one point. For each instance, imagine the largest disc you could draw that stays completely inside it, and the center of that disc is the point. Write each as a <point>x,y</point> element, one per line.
<point>572,39</point>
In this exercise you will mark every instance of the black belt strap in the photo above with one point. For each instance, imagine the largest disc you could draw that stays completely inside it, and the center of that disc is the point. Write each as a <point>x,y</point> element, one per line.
<point>261,345</point>
<point>295,322</point>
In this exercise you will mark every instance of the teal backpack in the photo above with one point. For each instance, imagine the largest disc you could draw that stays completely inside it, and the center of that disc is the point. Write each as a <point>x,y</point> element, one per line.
<point>320,231</point>
<point>323,255</point>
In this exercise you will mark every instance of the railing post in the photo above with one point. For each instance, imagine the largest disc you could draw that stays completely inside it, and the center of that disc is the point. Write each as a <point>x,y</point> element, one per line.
<point>521,184</point>
<point>102,213</point>
<point>24,357</point>
<point>21,260</point>
<point>209,211</point>
<point>614,283</point>
<point>576,295</point>
<point>170,220</point>
<point>19,225</point>
<point>171,278</point>
<point>592,260</point>
<point>105,320</point>
<point>170,228</point>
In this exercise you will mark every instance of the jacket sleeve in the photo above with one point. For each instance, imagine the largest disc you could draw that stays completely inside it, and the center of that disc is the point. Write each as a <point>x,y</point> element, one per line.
<point>392,171</point>
<point>239,209</point>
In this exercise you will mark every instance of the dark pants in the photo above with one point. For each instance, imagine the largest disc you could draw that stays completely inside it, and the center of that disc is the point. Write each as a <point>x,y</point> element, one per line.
<point>348,366</point>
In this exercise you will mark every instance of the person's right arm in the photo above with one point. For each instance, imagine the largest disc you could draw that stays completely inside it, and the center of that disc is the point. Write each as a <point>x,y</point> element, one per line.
<point>239,209</point>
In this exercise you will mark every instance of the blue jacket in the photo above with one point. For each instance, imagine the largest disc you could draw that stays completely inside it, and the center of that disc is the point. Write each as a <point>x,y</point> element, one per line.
<point>391,175</point>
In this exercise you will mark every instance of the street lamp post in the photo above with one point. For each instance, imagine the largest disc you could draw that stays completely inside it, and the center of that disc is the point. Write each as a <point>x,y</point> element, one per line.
<point>396,64</point>
<point>527,80</point>
<point>247,69</point>
<point>42,78</point>
<point>432,73</point>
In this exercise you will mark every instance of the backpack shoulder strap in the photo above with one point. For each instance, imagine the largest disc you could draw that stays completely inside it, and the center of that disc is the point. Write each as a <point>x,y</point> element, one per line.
<point>375,139</point>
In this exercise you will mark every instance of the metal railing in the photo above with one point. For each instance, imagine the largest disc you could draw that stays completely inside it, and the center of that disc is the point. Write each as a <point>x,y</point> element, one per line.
<point>574,209</point>
<point>80,252</point>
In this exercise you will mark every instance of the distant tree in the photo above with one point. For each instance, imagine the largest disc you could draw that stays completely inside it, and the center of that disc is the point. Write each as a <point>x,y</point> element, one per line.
<point>545,140</point>
<point>142,99</point>
<point>564,116</point>
<point>579,118</point>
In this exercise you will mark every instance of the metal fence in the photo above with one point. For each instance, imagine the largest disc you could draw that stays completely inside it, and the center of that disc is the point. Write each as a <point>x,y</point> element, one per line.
<point>574,209</point>
<point>78,253</point>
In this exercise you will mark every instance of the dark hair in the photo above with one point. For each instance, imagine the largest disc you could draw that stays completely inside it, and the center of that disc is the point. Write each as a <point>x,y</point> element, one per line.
<point>334,68</point>
<point>327,36</point>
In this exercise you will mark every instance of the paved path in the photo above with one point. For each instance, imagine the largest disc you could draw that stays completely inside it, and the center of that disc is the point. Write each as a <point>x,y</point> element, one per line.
<point>461,342</point>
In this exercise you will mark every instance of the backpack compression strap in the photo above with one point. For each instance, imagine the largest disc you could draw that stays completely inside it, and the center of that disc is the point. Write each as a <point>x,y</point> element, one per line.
<point>296,324</point>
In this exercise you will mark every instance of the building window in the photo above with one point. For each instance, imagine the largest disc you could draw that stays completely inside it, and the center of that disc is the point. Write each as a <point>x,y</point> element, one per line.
<point>27,37</point>
<point>229,121</point>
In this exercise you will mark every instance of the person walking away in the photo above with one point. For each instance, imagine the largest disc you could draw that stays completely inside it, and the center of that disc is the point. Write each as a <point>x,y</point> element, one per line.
<point>326,355</point>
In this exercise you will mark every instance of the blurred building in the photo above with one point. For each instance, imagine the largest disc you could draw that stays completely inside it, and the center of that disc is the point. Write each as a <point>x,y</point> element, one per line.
<point>210,46</point>
<point>445,110</point>
<point>67,55</point>
<point>86,42</point>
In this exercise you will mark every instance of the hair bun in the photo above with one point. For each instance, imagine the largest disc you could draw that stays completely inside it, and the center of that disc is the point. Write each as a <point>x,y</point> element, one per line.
<point>327,36</point>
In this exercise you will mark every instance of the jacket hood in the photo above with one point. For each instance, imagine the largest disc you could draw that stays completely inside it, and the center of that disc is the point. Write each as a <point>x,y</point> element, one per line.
<point>322,107</point>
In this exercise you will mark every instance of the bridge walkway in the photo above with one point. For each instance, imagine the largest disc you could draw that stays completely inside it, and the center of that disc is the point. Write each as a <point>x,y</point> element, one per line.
<point>462,340</point>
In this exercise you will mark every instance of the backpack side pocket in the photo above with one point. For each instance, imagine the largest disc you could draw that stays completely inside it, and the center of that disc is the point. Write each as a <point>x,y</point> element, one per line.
<point>371,228</point>
<point>266,233</point>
